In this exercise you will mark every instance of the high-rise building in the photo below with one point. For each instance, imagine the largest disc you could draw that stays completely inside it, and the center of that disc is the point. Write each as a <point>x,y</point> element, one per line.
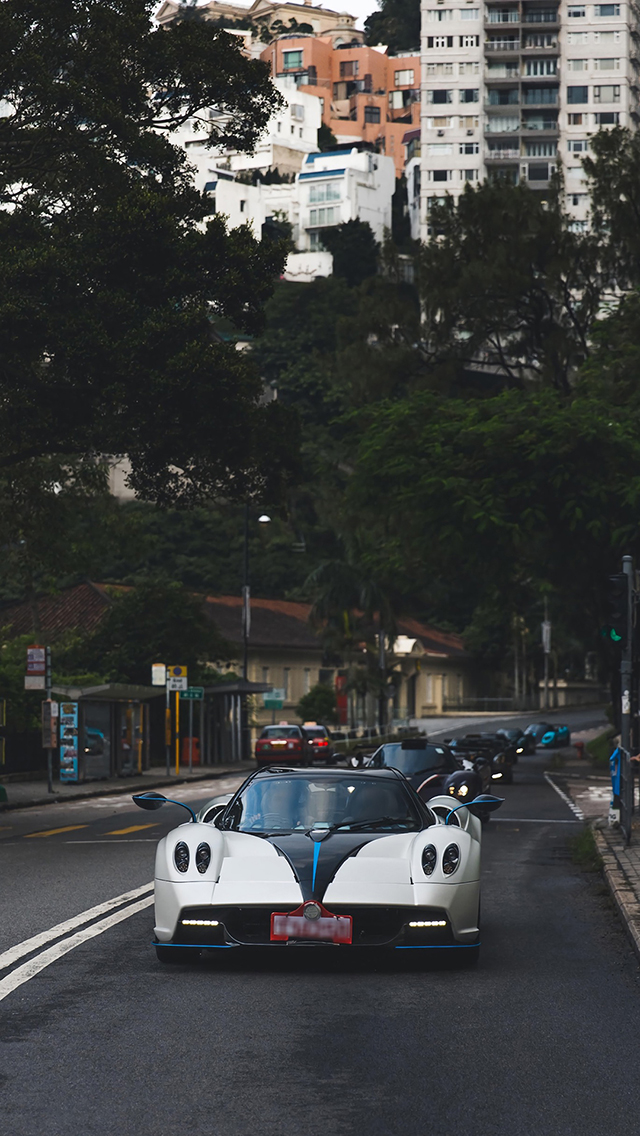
<point>510,88</point>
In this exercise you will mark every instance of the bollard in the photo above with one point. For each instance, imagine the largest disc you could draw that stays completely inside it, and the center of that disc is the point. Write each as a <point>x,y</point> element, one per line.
<point>579,748</point>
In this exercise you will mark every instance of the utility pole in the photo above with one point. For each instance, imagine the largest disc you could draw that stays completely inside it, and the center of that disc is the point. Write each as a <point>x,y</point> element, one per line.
<point>546,645</point>
<point>627,660</point>
<point>382,698</point>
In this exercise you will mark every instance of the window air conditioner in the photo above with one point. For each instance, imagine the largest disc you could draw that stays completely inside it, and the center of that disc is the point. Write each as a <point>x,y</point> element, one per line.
<point>469,131</point>
<point>441,134</point>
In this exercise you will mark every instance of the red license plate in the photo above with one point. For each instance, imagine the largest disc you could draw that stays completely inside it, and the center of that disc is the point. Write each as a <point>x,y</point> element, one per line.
<point>327,928</point>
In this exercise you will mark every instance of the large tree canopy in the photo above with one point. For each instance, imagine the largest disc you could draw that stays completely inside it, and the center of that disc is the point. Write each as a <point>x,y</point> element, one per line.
<point>111,267</point>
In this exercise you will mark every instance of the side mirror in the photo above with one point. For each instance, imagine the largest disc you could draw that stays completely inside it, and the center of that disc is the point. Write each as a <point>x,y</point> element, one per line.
<point>485,804</point>
<point>149,801</point>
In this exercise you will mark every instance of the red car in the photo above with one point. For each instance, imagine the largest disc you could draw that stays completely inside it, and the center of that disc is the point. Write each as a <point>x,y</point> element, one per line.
<point>283,743</point>
<point>320,740</point>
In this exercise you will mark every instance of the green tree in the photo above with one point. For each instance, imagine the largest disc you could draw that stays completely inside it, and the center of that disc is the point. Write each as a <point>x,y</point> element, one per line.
<point>319,705</point>
<point>153,622</point>
<point>354,249</point>
<point>509,289</point>
<point>326,138</point>
<point>613,170</point>
<point>397,24</point>
<point>111,265</point>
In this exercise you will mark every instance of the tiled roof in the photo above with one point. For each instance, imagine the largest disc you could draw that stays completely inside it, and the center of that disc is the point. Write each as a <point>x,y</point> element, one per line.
<point>82,606</point>
<point>274,623</point>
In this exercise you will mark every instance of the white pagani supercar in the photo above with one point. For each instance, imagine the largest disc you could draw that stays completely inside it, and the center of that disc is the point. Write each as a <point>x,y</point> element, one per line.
<point>322,857</point>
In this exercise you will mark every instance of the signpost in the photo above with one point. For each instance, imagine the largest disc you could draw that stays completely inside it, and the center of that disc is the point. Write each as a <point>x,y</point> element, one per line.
<point>158,674</point>
<point>274,700</point>
<point>35,678</point>
<point>192,694</point>
<point>177,681</point>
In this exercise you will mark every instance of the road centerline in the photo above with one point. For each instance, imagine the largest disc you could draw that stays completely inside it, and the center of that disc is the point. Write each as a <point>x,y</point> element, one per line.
<point>131,828</point>
<point>54,831</point>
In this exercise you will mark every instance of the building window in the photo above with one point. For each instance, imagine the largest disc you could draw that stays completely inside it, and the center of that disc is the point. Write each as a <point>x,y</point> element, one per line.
<point>607,118</point>
<point>286,682</point>
<point>349,68</point>
<point>469,95</point>
<point>432,69</point>
<point>404,78</point>
<point>577,95</point>
<point>606,37</point>
<point>606,64</point>
<point>575,120</point>
<point>539,172</point>
<point>297,112</point>
<point>306,682</point>
<point>265,674</point>
<point>439,15</point>
<point>243,206</point>
<point>578,198</point>
<point>469,148</point>
<point>324,191</point>
<point>440,175</point>
<point>438,97</point>
<point>439,41</point>
<point>541,149</point>
<point>330,216</point>
<point>542,66</point>
<point>468,122</point>
<point>577,37</point>
<point>440,148</point>
<point>469,175</point>
<point>439,123</point>
<point>577,145</point>
<point>576,11</point>
<point>469,41</point>
<point>469,68</point>
<point>292,60</point>
<point>606,10</point>
<point>469,13</point>
<point>576,64</point>
<point>372,114</point>
<point>606,94</point>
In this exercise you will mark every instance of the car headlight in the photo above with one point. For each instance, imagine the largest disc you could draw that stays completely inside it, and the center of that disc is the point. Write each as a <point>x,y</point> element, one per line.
<point>451,859</point>
<point>181,856</point>
<point>463,790</point>
<point>429,860</point>
<point>203,858</point>
<point>520,750</point>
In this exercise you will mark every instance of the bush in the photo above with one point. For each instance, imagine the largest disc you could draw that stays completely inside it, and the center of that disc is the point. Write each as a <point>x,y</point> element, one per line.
<point>319,705</point>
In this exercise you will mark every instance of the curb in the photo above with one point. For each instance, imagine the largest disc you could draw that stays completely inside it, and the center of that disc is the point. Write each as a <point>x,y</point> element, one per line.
<point>622,892</point>
<point>120,790</point>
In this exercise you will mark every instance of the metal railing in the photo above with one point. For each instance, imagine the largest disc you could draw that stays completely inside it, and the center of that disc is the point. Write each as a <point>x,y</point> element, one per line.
<point>502,45</point>
<point>492,155</point>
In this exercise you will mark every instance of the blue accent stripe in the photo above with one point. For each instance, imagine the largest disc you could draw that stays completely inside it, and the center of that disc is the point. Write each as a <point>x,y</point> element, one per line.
<point>444,947</point>
<point>315,174</point>
<point>316,856</point>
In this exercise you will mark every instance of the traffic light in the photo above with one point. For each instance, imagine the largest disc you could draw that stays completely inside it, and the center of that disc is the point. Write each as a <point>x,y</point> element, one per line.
<point>618,603</point>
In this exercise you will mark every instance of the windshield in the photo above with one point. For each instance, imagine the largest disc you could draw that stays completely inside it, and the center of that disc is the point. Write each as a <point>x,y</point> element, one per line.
<point>297,804</point>
<point>511,735</point>
<point>316,732</point>
<point>410,761</point>
<point>281,732</point>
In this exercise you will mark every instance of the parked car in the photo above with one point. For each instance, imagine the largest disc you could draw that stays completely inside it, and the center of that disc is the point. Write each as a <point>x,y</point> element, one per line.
<point>524,743</point>
<point>284,743</point>
<point>555,737</point>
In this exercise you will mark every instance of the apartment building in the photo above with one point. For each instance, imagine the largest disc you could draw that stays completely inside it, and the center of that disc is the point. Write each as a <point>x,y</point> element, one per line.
<point>364,94</point>
<point>510,89</point>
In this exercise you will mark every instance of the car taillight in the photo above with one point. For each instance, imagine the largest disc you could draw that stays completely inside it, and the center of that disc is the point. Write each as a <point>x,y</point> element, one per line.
<point>320,742</point>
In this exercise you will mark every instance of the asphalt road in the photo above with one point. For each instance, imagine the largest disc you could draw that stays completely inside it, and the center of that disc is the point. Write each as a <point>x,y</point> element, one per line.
<point>540,1040</point>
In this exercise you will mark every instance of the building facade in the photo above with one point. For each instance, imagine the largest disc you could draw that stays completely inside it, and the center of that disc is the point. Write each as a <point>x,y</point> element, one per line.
<point>513,89</point>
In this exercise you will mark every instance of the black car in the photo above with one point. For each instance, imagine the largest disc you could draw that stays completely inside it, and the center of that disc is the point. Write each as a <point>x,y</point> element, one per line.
<point>524,743</point>
<point>495,751</point>
<point>426,765</point>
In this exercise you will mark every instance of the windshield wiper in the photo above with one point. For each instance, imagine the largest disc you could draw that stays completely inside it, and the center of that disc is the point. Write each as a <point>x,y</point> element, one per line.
<point>353,826</point>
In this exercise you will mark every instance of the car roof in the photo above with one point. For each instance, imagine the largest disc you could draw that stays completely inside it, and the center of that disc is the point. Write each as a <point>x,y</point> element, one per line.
<point>325,774</point>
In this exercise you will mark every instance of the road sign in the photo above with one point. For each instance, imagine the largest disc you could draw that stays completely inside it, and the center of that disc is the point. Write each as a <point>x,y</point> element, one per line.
<point>177,678</point>
<point>274,699</point>
<point>36,660</point>
<point>158,674</point>
<point>193,692</point>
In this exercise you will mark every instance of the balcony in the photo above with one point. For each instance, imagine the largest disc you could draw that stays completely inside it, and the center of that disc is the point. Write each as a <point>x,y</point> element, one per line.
<point>503,75</point>
<point>507,154</point>
<point>502,45</point>
<point>545,126</point>
<point>542,97</point>
<point>502,100</point>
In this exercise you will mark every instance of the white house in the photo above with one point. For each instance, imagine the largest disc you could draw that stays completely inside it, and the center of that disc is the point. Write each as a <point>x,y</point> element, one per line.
<point>340,186</point>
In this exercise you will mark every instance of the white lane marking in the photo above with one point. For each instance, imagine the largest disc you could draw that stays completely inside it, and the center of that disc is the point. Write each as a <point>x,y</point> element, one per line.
<point>528,820</point>
<point>567,800</point>
<point>45,958</point>
<point>32,944</point>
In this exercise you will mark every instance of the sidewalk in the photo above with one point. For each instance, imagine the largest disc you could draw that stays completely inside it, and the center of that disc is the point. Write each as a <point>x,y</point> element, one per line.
<point>26,794</point>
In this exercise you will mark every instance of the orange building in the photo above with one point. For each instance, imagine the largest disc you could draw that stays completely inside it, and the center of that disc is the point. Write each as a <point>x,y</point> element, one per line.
<point>365,93</point>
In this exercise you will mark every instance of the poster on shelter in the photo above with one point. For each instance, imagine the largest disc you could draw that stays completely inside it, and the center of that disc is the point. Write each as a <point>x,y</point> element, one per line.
<point>68,741</point>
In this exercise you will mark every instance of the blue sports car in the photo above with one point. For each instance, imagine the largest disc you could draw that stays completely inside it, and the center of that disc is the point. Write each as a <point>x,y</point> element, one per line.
<point>555,737</point>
